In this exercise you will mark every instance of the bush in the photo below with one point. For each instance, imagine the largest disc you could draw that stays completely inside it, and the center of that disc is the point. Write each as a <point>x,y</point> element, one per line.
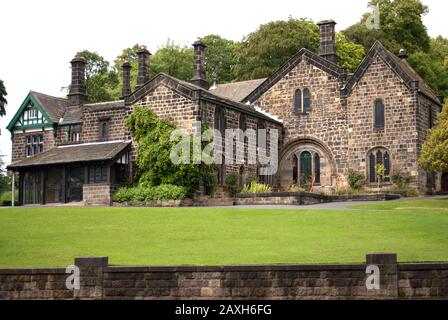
<point>256,187</point>
<point>162,192</point>
<point>400,180</point>
<point>356,180</point>
<point>410,192</point>
<point>232,184</point>
<point>296,188</point>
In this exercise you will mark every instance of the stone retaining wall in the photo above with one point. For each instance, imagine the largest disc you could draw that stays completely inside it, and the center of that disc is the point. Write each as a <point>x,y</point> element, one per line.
<point>98,280</point>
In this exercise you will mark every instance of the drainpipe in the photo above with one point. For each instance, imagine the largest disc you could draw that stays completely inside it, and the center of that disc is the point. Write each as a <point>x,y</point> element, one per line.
<point>13,188</point>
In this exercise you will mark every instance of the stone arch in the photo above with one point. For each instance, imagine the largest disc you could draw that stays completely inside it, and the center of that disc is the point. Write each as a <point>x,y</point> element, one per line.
<point>294,149</point>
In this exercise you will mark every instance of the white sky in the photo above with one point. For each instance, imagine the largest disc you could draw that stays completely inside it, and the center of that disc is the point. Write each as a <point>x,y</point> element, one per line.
<point>39,38</point>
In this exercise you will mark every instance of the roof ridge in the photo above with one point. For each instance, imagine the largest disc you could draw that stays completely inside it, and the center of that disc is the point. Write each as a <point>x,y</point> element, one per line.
<point>47,95</point>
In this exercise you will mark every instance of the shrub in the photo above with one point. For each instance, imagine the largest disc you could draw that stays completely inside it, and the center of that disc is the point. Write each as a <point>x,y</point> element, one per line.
<point>410,192</point>
<point>256,187</point>
<point>296,188</point>
<point>356,180</point>
<point>400,180</point>
<point>162,192</point>
<point>232,185</point>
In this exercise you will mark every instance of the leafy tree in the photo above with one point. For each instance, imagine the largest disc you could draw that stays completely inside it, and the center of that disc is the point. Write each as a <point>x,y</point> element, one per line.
<point>3,101</point>
<point>101,82</point>
<point>272,44</point>
<point>173,59</point>
<point>434,155</point>
<point>350,54</point>
<point>401,26</point>
<point>5,180</point>
<point>221,57</point>
<point>130,55</point>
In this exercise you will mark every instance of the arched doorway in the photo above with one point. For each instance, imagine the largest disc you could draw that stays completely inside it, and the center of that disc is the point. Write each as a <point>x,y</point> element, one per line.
<point>306,161</point>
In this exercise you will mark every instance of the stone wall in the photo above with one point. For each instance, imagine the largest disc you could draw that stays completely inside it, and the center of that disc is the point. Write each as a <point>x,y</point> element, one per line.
<point>96,114</point>
<point>98,280</point>
<point>399,135</point>
<point>19,142</point>
<point>325,127</point>
<point>97,194</point>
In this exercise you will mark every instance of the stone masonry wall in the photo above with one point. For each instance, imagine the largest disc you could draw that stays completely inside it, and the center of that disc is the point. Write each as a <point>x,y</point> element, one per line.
<point>19,143</point>
<point>170,105</point>
<point>97,194</point>
<point>98,280</point>
<point>94,115</point>
<point>326,124</point>
<point>399,135</point>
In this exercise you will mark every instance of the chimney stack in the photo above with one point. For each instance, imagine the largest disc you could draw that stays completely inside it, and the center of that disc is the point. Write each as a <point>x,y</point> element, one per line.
<point>143,62</point>
<point>327,47</point>
<point>126,90</point>
<point>78,92</point>
<point>199,65</point>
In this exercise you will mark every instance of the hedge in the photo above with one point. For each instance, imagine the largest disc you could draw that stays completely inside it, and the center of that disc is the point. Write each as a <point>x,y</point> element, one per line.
<point>161,192</point>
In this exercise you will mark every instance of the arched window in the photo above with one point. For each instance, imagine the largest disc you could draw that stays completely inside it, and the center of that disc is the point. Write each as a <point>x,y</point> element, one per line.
<point>298,101</point>
<point>372,173</point>
<point>305,166</point>
<point>316,169</point>
<point>379,114</point>
<point>295,161</point>
<point>386,167</point>
<point>220,121</point>
<point>379,156</point>
<point>243,124</point>
<point>306,100</point>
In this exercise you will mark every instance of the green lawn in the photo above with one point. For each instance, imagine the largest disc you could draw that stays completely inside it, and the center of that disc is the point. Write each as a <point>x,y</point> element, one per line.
<point>210,236</point>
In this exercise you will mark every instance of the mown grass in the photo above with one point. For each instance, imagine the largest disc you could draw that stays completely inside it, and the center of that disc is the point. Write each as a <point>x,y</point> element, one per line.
<point>216,236</point>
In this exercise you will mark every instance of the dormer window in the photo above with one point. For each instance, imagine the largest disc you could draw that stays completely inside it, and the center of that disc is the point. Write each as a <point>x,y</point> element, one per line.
<point>302,101</point>
<point>32,116</point>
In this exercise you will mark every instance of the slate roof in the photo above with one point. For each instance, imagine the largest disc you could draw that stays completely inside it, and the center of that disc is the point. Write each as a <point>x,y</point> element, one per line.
<point>54,106</point>
<point>100,151</point>
<point>237,91</point>
<point>194,92</point>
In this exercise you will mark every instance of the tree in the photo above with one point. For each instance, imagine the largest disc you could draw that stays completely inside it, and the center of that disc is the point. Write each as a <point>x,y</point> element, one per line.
<point>272,44</point>
<point>173,59</point>
<point>434,154</point>
<point>130,55</point>
<point>3,101</point>
<point>101,81</point>
<point>221,55</point>
<point>401,26</point>
<point>350,54</point>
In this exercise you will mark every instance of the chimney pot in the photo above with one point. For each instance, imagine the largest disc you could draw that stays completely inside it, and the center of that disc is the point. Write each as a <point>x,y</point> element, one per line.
<point>198,77</point>
<point>78,91</point>
<point>327,46</point>
<point>143,66</point>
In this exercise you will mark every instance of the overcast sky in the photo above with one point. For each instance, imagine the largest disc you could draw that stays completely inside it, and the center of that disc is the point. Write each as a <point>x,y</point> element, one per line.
<point>39,38</point>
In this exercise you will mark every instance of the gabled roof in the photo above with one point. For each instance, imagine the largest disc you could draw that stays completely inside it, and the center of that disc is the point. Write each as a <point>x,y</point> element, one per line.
<point>51,108</point>
<point>194,92</point>
<point>303,55</point>
<point>100,151</point>
<point>54,106</point>
<point>400,66</point>
<point>236,91</point>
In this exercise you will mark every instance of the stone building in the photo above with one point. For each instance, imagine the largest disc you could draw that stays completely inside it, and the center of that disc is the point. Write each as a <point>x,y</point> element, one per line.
<point>328,122</point>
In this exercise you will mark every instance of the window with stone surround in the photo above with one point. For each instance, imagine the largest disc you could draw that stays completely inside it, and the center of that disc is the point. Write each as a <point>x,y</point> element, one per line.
<point>379,114</point>
<point>379,156</point>
<point>34,145</point>
<point>104,129</point>
<point>302,101</point>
